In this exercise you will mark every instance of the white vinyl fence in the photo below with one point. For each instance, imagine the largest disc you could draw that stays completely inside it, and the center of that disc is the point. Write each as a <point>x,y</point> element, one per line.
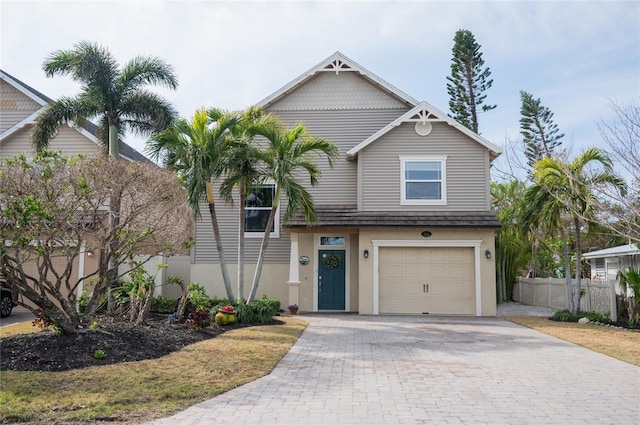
<point>178,265</point>
<point>598,295</point>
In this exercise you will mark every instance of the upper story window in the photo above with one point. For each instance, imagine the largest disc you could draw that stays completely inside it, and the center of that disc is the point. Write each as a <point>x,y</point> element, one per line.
<point>423,180</point>
<point>257,209</point>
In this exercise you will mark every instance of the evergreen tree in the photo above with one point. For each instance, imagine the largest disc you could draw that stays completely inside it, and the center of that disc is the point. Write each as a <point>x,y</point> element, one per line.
<point>536,126</point>
<point>468,81</point>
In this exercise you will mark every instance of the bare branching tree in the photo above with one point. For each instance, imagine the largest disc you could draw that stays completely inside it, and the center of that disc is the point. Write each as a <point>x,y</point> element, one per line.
<point>55,208</point>
<point>622,135</point>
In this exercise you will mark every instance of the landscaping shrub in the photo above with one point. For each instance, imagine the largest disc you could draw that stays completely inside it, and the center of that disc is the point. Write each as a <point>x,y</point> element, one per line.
<point>199,319</point>
<point>162,304</point>
<point>566,316</point>
<point>259,311</point>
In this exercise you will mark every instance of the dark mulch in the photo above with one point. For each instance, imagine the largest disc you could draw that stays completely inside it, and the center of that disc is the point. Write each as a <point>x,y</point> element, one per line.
<point>120,341</point>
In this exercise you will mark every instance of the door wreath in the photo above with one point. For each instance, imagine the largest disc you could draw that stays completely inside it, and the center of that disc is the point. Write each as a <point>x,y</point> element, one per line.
<point>331,261</point>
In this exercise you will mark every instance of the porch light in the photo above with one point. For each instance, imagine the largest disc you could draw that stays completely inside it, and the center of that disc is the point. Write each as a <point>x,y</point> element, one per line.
<point>90,252</point>
<point>487,254</point>
<point>366,253</point>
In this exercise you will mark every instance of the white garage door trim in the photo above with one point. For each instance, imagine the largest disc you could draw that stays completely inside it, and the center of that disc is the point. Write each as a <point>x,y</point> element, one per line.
<point>377,244</point>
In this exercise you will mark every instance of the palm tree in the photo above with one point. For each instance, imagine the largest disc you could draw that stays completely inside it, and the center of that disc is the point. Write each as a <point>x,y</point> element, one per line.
<point>115,96</point>
<point>241,167</point>
<point>512,252</point>
<point>286,152</point>
<point>571,187</point>
<point>195,150</point>
<point>544,210</point>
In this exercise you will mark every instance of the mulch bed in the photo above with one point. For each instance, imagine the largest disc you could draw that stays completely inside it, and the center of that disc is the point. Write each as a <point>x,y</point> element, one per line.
<point>120,341</point>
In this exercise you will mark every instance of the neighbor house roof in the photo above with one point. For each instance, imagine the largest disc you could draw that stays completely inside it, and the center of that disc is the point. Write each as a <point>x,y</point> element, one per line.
<point>342,216</point>
<point>424,113</point>
<point>337,63</point>
<point>618,251</point>
<point>89,129</point>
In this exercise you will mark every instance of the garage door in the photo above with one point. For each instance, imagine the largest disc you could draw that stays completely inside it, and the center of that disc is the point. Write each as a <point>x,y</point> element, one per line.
<point>426,280</point>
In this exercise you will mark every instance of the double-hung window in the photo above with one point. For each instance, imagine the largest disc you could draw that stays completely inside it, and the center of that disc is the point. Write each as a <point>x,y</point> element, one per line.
<point>423,180</point>
<point>257,208</point>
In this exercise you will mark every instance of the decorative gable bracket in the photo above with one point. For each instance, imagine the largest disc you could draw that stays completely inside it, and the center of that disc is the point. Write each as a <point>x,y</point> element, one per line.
<point>337,65</point>
<point>422,115</point>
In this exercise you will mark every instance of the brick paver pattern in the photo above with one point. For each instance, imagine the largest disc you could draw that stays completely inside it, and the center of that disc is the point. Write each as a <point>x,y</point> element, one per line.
<point>350,369</point>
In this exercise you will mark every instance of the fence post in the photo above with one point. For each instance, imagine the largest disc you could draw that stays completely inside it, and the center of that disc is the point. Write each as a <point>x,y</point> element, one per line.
<point>613,305</point>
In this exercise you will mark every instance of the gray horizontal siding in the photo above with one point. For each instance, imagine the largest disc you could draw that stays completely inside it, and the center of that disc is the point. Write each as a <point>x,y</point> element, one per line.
<point>345,90</point>
<point>467,164</point>
<point>205,248</point>
<point>10,118</point>
<point>346,129</point>
<point>15,106</point>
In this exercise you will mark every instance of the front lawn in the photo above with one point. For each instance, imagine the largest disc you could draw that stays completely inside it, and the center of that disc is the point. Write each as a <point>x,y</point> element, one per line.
<point>618,343</point>
<point>140,391</point>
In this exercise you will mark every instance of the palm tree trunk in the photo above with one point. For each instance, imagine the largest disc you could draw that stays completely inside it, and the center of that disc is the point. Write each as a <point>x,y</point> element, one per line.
<point>567,268</point>
<point>241,227</point>
<point>114,213</point>
<point>223,263</point>
<point>263,249</point>
<point>578,289</point>
<point>114,150</point>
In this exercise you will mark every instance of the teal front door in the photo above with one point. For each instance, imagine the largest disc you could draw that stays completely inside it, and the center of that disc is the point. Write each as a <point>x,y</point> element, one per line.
<point>331,282</point>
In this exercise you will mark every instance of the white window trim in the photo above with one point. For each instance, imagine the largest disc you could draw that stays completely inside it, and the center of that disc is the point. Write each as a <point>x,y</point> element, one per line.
<point>276,221</point>
<point>443,170</point>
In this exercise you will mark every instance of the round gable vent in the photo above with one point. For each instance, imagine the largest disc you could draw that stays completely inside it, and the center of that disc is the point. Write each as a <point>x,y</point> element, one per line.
<point>423,128</point>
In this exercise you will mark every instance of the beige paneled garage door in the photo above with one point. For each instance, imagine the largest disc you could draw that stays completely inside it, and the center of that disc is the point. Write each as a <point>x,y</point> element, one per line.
<point>426,280</point>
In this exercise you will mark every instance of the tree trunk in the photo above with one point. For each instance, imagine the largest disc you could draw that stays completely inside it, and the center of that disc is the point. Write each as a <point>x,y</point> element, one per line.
<point>223,263</point>
<point>263,249</point>
<point>145,307</point>
<point>112,270</point>
<point>241,227</point>
<point>114,150</point>
<point>578,289</point>
<point>567,268</point>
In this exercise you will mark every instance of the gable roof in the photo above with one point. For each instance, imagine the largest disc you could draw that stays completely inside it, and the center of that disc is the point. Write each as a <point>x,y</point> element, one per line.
<point>89,129</point>
<point>423,113</point>
<point>617,251</point>
<point>337,63</point>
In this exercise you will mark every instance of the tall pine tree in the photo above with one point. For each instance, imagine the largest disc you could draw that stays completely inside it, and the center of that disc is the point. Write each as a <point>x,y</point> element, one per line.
<point>538,129</point>
<point>468,81</point>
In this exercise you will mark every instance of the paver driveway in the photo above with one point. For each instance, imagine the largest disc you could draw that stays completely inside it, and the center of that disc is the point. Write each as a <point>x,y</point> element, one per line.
<point>350,369</point>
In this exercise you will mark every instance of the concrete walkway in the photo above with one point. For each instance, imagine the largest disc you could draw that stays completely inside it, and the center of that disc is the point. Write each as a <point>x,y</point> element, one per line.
<point>350,369</point>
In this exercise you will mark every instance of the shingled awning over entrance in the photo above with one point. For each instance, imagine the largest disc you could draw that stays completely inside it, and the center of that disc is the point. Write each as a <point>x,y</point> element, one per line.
<point>347,216</point>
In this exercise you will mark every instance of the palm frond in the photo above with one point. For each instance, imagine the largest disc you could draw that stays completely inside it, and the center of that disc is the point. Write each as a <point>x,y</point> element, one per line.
<point>144,112</point>
<point>143,70</point>
<point>63,111</point>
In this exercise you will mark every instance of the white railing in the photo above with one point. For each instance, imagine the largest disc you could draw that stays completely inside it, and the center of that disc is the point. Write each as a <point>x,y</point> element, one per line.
<point>598,295</point>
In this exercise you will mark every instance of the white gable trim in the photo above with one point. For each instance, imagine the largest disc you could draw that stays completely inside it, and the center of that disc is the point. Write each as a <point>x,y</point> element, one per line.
<point>424,112</point>
<point>13,83</point>
<point>336,63</point>
<point>20,125</point>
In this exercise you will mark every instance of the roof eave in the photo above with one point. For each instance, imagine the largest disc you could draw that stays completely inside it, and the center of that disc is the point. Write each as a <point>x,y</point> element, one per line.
<point>272,98</point>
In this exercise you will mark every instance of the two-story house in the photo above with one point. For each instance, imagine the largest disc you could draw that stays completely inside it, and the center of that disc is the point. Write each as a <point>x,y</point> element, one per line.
<point>404,225</point>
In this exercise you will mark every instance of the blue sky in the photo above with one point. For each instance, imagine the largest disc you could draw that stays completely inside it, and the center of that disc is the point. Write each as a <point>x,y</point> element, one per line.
<point>577,56</point>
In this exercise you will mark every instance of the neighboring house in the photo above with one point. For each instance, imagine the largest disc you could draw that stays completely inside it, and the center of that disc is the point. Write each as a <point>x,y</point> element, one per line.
<point>20,105</point>
<point>404,219</point>
<point>606,263</point>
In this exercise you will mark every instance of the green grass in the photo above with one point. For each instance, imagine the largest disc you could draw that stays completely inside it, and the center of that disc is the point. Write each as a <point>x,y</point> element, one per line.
<point>142,391</point>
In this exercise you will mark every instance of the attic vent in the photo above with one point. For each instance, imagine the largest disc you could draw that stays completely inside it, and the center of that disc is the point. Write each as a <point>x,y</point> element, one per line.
<point>337,66</point>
